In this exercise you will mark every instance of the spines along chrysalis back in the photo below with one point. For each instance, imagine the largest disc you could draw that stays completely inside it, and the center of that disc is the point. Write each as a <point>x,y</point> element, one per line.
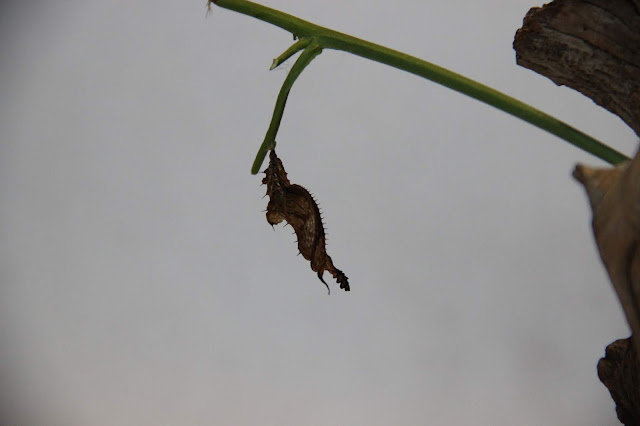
<point>295,205</point>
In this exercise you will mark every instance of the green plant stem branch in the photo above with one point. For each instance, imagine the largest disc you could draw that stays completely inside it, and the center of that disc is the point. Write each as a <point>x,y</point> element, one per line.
<point>313,49</point>
<point>295,48</point>
<point>330,39</point>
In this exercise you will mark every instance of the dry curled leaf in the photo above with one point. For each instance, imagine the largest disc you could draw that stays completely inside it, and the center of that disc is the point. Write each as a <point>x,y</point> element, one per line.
<point>296,206</point>
<point>614,195</point>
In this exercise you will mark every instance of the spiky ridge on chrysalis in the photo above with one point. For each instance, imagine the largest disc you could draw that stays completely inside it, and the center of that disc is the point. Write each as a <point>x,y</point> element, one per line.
<point>295,205</point>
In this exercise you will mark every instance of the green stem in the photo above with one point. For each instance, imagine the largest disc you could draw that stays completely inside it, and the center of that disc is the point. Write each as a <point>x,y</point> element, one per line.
<point>312,50</point>
<point>295,48</point>
<point>330,39</point>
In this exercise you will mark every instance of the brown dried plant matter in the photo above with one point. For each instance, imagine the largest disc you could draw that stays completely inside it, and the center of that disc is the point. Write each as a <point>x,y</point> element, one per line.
<point>295,205</point>
<point>614,195</point>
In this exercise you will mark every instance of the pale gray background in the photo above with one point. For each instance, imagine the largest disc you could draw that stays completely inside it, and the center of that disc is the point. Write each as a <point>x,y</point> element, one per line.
<point>142,285</point>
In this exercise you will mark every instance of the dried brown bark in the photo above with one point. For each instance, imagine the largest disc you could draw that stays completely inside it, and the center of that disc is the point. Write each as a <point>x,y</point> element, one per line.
<point>618,370</point>
<point>614,195</point>
<point>593,46</point>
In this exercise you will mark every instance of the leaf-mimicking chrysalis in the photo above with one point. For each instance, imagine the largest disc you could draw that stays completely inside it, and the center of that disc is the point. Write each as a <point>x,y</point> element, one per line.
<point>294,204</point>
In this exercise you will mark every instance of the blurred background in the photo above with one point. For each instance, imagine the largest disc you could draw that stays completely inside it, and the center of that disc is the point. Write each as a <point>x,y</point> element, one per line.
<point>140,283</point>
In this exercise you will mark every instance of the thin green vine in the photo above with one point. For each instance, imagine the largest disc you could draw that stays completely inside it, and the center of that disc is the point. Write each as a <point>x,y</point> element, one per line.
<point>311,51</point>
<point>314,38</point>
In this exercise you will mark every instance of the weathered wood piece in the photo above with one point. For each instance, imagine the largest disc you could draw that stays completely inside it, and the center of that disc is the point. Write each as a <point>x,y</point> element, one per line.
<point>618,370</point>
<point>593,46</point>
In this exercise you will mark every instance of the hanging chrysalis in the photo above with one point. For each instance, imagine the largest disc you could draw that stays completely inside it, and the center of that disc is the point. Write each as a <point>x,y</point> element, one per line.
<point>296,205</point>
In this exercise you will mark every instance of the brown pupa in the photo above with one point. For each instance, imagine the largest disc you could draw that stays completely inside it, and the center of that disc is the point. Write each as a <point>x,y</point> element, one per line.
<point>295,205</point>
